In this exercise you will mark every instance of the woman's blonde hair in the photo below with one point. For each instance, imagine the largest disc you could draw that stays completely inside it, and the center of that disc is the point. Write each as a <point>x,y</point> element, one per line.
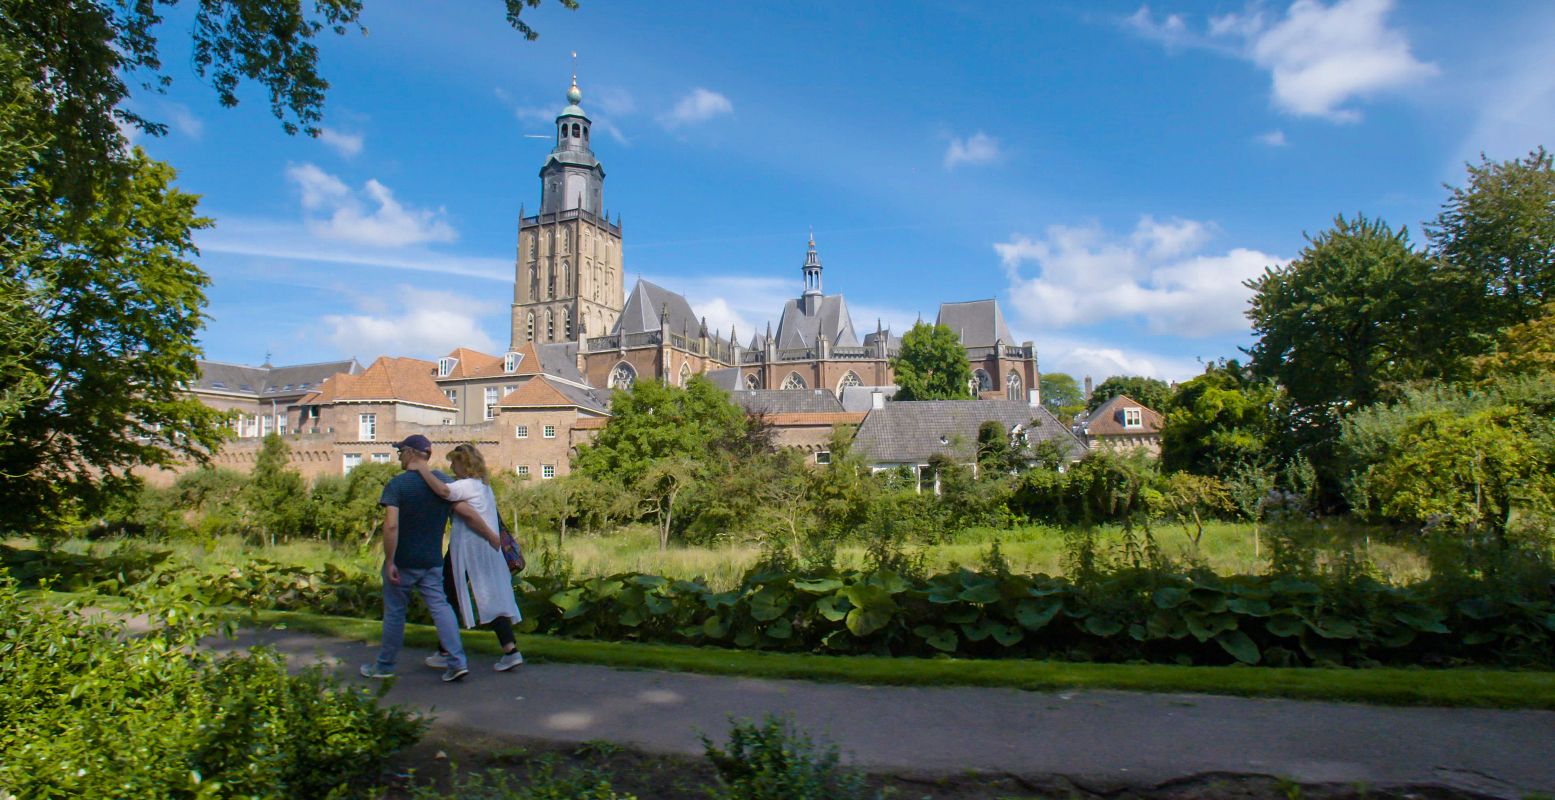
<point>467,462</point>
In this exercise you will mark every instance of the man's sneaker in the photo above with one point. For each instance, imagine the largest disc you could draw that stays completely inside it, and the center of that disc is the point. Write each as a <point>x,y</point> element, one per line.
<point>508,661</point>
<point>454,673</point>
<point>438,661</point>
<point>375,671</point>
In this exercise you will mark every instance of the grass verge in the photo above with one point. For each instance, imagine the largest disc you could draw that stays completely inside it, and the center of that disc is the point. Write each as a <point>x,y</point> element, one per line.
<point>1407,687</point>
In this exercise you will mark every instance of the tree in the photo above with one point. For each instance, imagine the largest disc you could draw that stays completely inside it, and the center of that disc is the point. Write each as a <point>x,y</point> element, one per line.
<point>932,365</point>
<point>652,422</point>
<point>276,498</point>
<point>121,308</point>
<point>1152,393</point>
<point>1062,395</point>
<point>1527,348</point>
<point>1499,231</point>
<point>1221,421</point>
<point>1352,320</point>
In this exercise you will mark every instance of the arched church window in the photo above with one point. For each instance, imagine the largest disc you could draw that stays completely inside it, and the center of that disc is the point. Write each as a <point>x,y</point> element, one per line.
<point>550,326</point>
<point>685,374</point>
<point>752,382</point>
<point>576,130</point>
<point>850,379</point>
<point>529,330</point>
<point>793,381</point>
<point>983,382</point>
<point>585,134</point>
<point>566,278</point>
<point>1014,386</point>
<point>550,282</point>
<point>622,377</point>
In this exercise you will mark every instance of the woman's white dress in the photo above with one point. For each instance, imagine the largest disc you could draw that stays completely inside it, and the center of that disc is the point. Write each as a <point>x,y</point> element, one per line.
<point>480,572</point>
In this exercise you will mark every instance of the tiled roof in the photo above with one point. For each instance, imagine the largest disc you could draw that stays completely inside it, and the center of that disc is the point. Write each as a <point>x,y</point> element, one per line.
<point>265,382</point>
<point>543,392</point>
<point>590,423</point>
<point>796,418</point>
<point>473,364</point>
<point>781,401</point>
<point>911,432</point>
<point>389,379</point>
<point>727,379</point>
<point>979,323</point>
<point>1107,419</point>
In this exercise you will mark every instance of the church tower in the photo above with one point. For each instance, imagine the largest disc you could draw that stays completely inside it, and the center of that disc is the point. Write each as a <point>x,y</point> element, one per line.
<point>568,279</point>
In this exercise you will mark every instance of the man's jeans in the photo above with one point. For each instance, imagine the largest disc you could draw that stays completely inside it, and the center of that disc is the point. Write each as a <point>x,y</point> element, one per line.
<point>396,599</point>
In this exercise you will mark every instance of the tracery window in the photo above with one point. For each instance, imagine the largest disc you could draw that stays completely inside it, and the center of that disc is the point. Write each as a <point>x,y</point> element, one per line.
<point>1014,385</point>
<point>793,381</point>
<point>622,377</point>
<point>752,382</point>
<point>685,374</point>
<point>984,381</point>
<point>850,379</point>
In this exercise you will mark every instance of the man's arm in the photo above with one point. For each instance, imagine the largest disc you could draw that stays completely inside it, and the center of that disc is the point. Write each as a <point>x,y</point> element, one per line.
<point>391,541</point>
<point>473,518</point>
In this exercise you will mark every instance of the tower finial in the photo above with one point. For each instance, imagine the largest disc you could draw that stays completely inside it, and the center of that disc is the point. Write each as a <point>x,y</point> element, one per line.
<point>574,94</point>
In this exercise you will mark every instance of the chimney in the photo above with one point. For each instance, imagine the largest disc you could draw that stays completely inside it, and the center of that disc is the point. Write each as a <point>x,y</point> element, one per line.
<point>1034,397</point>
<point>877,399</point>
<point>1088,388</point>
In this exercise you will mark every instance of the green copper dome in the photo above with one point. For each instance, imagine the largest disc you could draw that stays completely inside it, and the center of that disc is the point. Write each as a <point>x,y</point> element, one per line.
<point>574,95</point>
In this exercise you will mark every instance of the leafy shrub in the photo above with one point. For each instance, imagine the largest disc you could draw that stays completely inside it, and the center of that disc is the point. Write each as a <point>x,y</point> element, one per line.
<point>88,711</point>
<point>773,761</point>
<point>541,782</point>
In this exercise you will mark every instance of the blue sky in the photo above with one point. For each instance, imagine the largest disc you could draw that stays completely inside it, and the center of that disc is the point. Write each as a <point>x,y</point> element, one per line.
<point>1111,172</point>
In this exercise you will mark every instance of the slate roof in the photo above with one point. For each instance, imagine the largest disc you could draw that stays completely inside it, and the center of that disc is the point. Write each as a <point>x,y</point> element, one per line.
<point>1107,419</point>
<point>727,379</point>
<point>858,398</point>
<point>979,323</point>
<point>785,401</point>
<point>560,360</point>
<point>891,342</point>
<point>829,322</point>
<point>269,382</point>
<point>645,305</point>
<point>389,379</point>
<point>911,432</point>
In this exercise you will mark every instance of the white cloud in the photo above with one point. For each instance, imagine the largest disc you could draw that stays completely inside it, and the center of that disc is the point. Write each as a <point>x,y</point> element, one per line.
<point>979,148</point>
<point>1081,357</point>
<point>413,322</point>
<point>1156,275</point>
<point>1514,99</point>
<point>290,241</point>
<point>369,217</point>
<point>181,119</point>
<point>1321,58</point>
<point>700,105</point>
<point>1274,138</point>
<point>346,144</point>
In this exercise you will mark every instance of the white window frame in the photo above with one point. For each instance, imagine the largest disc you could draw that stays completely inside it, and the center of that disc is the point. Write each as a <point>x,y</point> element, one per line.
<point>522,470</point>
<point>367,427</point>
<point>823,457</point>
<point>511,361</point>
<point>491,402</point>
<point>547,471</point>
<point>548,432</point>
<point>445,366</point>
<point>452,395</point>
<point>381,458</point>
<point>520,431</point>
<point>1133,418</point>
<point>350,461</point>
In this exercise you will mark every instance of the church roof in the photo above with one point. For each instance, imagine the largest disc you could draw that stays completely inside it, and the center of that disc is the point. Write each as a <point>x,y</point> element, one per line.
<point>909,433</point>
<point>785,401</point>
<point>830,322</point>
<point>647,302</point>
<point>979,323</point>
<point>266,381</point>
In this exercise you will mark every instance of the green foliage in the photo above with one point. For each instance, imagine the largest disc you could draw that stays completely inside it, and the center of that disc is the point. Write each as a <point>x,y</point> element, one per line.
<point>774,761</point>
<point>1220,422</point>
<point>542,781</point>
<point>1152,393</point>
<point>346,506</point>
<point>1062,395</point>
<point>1499,231</point>
<point>653,423</point>
<point>276,498</point>
<point>932,365</point>
<point>87,711</point>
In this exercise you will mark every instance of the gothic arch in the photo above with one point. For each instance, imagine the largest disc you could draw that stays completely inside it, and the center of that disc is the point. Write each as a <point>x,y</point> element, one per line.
<point>752,382</point>
<point>849,379</point>
<point>566,277</point>
<point>1014,387</point>
<point>567,323</point>
<point>529,329</point>
<point>983,381</point>
<point>622,377</point>
<point>550,326</point>
<point>794,381</point>
<point>685,374</point>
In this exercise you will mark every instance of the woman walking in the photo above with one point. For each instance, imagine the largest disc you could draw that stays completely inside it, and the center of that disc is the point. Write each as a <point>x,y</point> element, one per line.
<point>475,575</point>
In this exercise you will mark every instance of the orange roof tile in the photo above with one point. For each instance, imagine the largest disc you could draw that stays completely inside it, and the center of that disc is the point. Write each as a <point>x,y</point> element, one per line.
<point>815,418</point>
<point>590,423</point>
<point>404,380</point>
<point>473,364</point>
<point>536,391</point>
<point>1107,419</point>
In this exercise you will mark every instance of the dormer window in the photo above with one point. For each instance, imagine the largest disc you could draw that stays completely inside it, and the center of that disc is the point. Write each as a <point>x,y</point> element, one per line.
<point>1133,418</point>
<point>510,362</point>
<point>445,366</point>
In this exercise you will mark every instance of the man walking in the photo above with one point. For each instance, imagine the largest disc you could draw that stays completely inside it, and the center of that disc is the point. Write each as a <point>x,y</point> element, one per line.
<point>413,522</point>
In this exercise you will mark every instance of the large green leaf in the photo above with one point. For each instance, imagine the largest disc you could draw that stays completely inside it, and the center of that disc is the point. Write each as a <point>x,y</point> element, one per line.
<point>715,627</point>
<point>982,593</point>
<point>780,629</point>
<point>571,602</point>
<point>1205,626</point>
<point>1166,624</point>
<point>872,608</point>
<point>1169,597</point>
<point>1285,625</point>
<point>1334,628</point>
<point>818,585</point>
<point>888,581</point>
<point>1239,645</point>
<point>1035,614</point>
<point>833,607</point>
<point>649,581</point>
<point>1007,635</point>
<point>942,639</point>
<point>1208,599</point>
<point>769,604</point>
<point>1422,618</point>
<point>978,631</point>
<point>1249,607</point>
<point>1102,626</point>
<point>1479,608</point>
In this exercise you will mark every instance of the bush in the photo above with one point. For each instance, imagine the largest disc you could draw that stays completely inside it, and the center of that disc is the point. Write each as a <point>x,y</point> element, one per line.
<point>88,711</point>
<point>541,782</point>
<point>772,761</point>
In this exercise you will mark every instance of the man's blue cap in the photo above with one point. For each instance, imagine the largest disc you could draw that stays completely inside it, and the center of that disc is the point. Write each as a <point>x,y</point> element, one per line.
<point>415,441</point>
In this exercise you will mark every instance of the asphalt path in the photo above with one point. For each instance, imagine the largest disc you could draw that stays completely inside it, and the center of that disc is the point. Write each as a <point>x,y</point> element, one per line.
<point>1100,741</point>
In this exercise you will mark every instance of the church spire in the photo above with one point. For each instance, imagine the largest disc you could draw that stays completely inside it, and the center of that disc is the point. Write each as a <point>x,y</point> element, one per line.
<point>812,269</point>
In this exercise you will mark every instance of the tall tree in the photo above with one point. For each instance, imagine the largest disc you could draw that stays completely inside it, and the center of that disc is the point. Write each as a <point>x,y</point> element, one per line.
<point>652,422</point>
<point>1222,422</point>
<point>1061,394</point>
<point>1500,231</point>
<point>1358,315</point>
<point>1153,393</point>
<point>932,365</point>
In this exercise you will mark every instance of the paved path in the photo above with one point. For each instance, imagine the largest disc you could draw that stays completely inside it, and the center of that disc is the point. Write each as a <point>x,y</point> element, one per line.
<point>1098,740</point>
